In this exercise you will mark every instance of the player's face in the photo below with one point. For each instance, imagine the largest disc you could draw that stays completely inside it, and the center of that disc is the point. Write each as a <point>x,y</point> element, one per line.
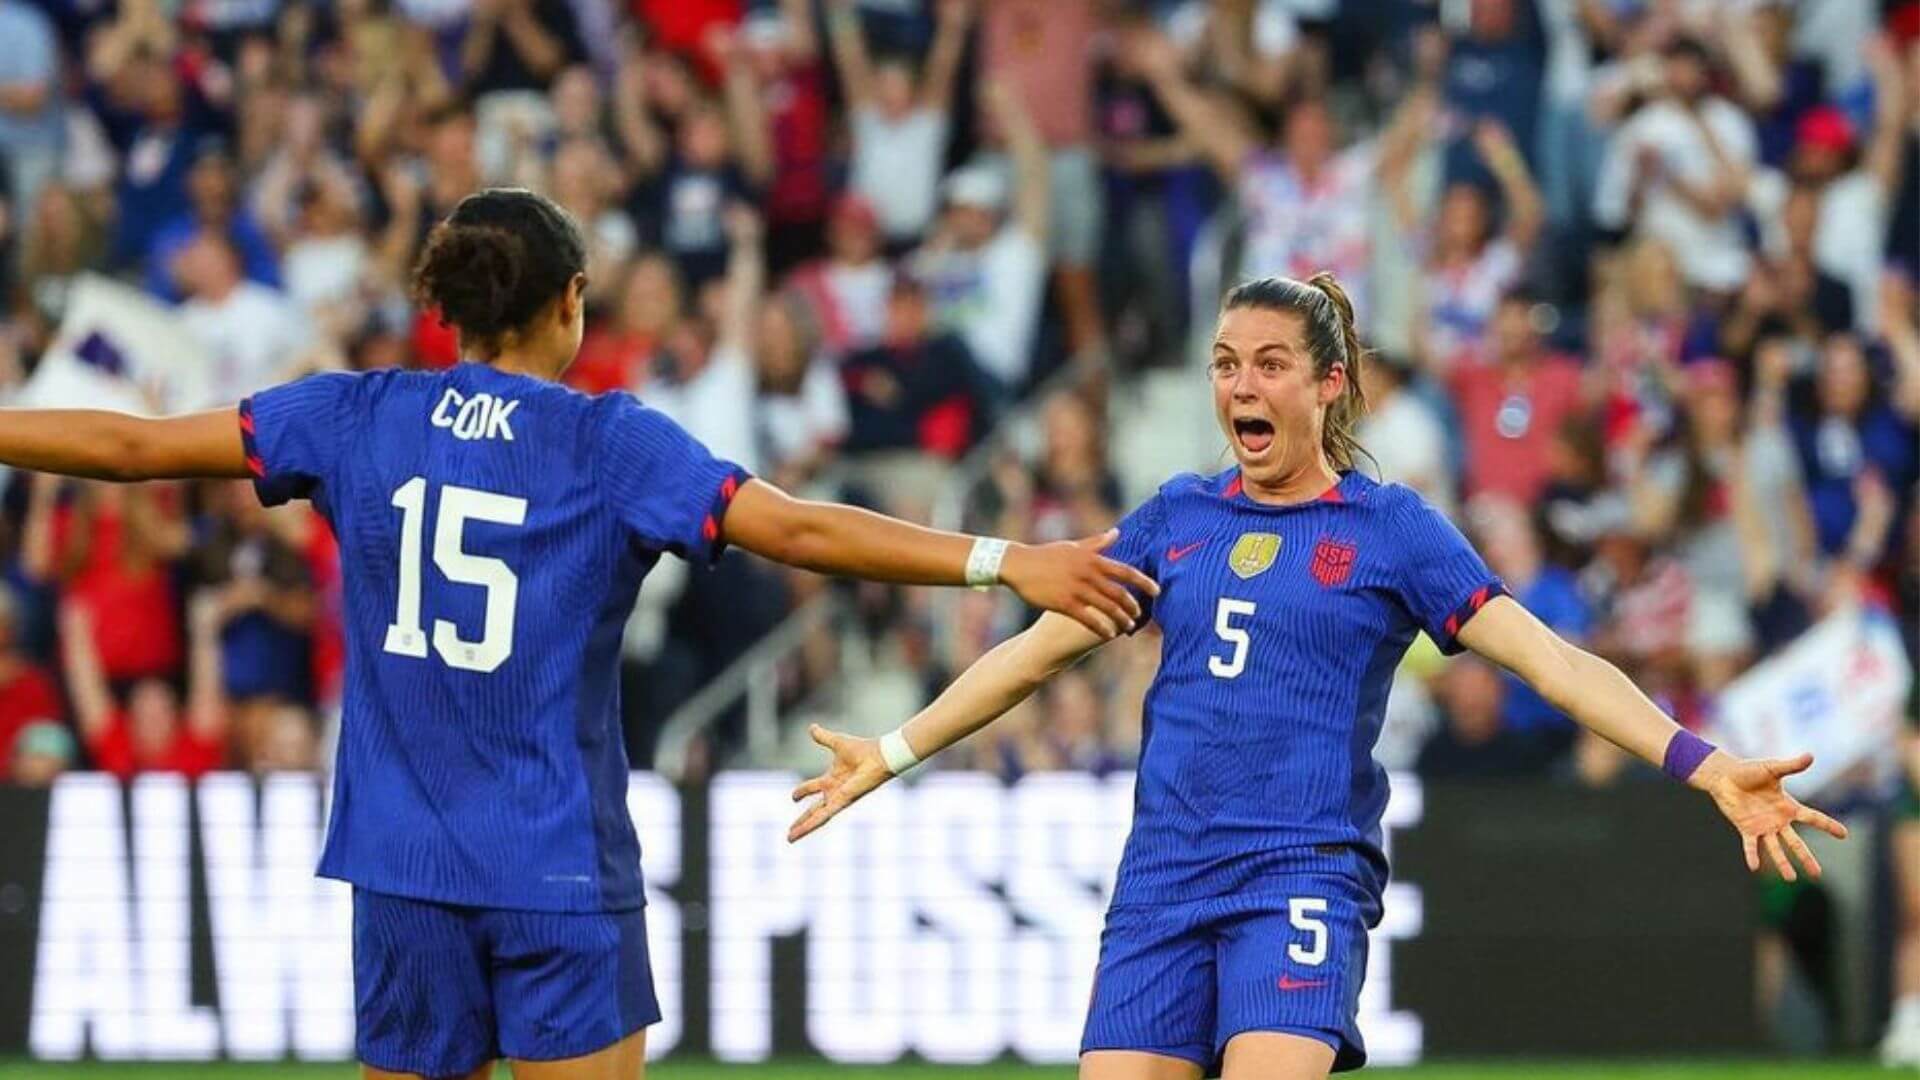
<point>1268,400</point>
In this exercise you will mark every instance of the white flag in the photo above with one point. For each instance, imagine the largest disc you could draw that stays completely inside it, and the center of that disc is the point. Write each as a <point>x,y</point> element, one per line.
<point>118,348</point>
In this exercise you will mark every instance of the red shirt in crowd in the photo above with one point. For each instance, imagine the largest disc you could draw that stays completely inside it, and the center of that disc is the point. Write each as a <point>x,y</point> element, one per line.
<point>188,754</point>
<point>797,116</point>
<point>135,628</point>
<point>27,694</point>
<point>1510,417</point>
<point>610,360</point>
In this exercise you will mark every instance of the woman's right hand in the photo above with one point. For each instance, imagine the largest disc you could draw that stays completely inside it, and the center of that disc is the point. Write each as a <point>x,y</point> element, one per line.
<point>856,769</point>
<point>1074,579</point>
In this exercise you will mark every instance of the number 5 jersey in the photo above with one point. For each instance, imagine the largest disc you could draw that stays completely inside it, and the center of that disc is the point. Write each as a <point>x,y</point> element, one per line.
<point>1283,626</point>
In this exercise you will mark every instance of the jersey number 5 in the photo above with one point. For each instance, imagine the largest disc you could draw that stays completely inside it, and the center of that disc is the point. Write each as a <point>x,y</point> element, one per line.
<point>1230,667</point>
<point>458,505</point>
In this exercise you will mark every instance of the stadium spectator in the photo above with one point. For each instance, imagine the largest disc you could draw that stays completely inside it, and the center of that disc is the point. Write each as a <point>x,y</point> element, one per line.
<point>848,289</point>
<point>1857,451</point>
<point>1473,743</point>
<point>254,336</point>
<point>1677,169</point>
<point>246,559</point>
<point>1467,266</point>
<point>212,189</point>
<point>148,733</point>
<point>31,127</point>
<point>1404,434</point>
<point>899,118</point>
<point>109,550</point>
<point>917,388</point>
<point>985,264</point>
<point>1307,202</point>
<point>1512,400</point>
<point>618,349</point>
<point>1041,53</point>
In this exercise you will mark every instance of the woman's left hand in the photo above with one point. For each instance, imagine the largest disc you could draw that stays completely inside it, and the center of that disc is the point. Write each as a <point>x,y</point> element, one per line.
<point>1750,795</point>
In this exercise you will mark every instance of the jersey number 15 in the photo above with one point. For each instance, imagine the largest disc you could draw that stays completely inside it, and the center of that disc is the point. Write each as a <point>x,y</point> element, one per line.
<point>458,505</point>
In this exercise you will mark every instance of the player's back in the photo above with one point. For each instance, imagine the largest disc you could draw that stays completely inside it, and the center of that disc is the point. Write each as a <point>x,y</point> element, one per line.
<point>493,532</point>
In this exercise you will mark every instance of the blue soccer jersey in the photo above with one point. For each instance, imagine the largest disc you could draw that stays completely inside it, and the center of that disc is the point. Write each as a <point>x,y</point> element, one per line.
<point>493,532</point>
<point>1282,628</point>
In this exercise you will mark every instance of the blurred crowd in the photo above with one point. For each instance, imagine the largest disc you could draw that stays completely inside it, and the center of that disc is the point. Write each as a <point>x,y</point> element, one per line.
<point>1641,275</point>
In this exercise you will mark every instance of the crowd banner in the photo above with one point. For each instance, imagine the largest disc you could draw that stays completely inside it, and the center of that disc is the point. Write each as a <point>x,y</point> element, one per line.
<point>951,919</point>
<point>1836,692</point>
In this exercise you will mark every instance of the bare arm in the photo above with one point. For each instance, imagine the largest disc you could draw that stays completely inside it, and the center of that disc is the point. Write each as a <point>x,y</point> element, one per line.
<point>1882,159</point>
<point>802,43</point>
<point>92,700</point>
<point>538,47</point>
<point>850,52</point>
<point>1525,209</point>
<point>1032,190</point>
<point>828,538</point>
<point>943,59</point>
<point>1756,79</point>
<point>1407,131</point>
<point>206,682</point>
<point>482,37</point>
<point>746,277</point>
<point>1220,140</point>
<point>1603,700</point>
<point>752,135</point>
<point>639,137</point>
<point>115,446</point>
<point>995,683</point>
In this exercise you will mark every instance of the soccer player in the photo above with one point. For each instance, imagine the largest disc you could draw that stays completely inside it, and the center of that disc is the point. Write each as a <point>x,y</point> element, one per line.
<point>494,527</point>
<point>1291,585</point>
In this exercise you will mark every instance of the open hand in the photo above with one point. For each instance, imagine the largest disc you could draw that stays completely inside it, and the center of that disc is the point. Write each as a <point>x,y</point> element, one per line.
<point>1074,579</point>
<point>856,769</point>
<point>1750,795</point>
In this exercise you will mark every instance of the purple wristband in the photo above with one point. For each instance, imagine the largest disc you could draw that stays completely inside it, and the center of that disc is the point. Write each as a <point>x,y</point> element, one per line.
<point>1685,752</point>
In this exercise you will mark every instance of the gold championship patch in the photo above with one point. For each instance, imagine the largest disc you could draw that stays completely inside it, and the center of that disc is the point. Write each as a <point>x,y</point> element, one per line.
<point>1253,553</point>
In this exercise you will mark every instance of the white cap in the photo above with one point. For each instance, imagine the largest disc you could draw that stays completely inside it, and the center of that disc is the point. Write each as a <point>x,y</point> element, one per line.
<point>976,185</point>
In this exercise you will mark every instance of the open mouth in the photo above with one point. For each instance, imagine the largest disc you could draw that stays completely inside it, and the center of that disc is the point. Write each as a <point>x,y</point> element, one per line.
<point>1255,434</point>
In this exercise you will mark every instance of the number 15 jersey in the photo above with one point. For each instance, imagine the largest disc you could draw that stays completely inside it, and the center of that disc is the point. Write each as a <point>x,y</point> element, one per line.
<point>493,532</point>
<point>1282,628</point>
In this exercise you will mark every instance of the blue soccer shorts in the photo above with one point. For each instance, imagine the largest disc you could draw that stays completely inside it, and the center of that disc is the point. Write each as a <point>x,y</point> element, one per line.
<point>440,989</point>
<point>1181,979</point>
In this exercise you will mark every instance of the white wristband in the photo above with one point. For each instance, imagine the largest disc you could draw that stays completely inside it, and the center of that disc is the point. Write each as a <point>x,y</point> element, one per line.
<point>896,753</point>
<point>983,562</point>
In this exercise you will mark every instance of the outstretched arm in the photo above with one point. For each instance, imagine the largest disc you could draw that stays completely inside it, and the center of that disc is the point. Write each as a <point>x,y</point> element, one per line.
<point>1222,142</point>
<point>115,446</point>
<point>1601,698</point>
<point>996,682</point>
<point>1068,577</point>
<point>849,45</point>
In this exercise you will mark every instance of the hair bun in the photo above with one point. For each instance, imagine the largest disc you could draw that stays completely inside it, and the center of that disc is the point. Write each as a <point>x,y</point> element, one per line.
<point>471,274</point>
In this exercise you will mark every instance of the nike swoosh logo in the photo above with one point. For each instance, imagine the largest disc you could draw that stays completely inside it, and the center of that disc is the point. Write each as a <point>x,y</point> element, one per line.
<point>1288,982</point>
<point>1175,554</point>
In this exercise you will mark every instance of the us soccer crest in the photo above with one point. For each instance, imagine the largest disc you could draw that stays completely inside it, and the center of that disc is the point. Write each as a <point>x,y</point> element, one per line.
<point>1253,553</point>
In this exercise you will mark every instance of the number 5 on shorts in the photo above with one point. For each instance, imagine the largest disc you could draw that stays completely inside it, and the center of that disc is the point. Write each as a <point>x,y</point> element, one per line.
<point>1303,912</point>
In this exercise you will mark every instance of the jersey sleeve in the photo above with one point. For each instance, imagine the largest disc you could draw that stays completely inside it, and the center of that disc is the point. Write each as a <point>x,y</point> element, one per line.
<point>1140,545</point>
<point>1443,580</point>
<point>665,487</point>
<point>293,433</point>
